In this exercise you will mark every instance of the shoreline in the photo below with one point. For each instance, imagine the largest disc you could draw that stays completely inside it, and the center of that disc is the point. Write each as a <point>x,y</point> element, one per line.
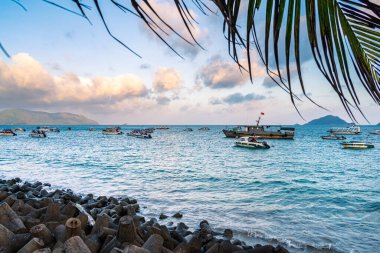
<point>34,219</point>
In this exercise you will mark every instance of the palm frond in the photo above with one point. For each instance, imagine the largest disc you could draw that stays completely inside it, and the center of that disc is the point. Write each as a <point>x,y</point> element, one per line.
<point>342,34</point>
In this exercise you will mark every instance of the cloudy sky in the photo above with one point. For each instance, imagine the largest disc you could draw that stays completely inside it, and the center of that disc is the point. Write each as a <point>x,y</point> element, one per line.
<point>60,62</point>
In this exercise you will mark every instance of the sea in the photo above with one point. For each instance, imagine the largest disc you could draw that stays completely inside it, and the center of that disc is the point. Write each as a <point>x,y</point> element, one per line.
<point>307,194</point>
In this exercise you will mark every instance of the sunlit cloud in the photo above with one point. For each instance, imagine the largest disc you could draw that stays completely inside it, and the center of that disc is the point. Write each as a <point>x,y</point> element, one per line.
<point>166,79</point>
<point>25,82</point>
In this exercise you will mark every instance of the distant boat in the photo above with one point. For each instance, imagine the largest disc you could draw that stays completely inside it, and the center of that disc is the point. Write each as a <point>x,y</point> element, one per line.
<point>140,133</point>
<point>7,132</point>
<point>375,132</point>
<point>69,129</point>
<point>351,130</point>
<point>48,129</point>
<point>91,129</point>
<point>204,129</point>
<point>251,142</point>
<point>261,131</point>
<point>38,134</point>
<point>112,131</point>
<point>333,137</point>
<point>162,128</point>
<point>188,129</point>
<point>19,130</point>
<point>357,145</point>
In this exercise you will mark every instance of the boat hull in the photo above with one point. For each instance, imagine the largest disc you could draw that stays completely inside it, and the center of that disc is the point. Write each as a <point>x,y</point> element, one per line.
<point>252,145</point>
<point>7,134</point>
<point>348,145</point>
<point>259,135</point>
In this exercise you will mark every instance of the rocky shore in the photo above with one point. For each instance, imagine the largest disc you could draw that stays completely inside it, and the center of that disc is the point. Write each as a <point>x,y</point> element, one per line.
<point>35,220</point>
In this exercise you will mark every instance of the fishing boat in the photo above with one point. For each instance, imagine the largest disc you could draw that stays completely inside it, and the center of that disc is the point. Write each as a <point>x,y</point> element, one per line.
<point>112,131</point>
<point>357,145</point>
<point>140,133</point>
<point>48,129</point>
<point>7,132</point>
<point>261,131</point>
<point>204,129</point>
<point>351,130</point>
<point>251,142</point>
<point>38,134</point>
<point>188,129</point>
<point>18,130</point>
<point>333,137</point>
<point>375,132</point>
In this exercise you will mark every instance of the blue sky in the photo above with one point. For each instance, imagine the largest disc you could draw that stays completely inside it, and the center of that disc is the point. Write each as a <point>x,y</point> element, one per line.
<point>60,62</point>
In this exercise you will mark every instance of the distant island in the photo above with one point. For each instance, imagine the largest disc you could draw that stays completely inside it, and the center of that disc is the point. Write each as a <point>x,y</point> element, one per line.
<point>327,120</point>
<point>27,117</point>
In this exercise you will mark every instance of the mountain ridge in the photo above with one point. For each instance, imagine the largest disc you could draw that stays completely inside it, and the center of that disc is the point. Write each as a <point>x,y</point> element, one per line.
<point>29,117</point>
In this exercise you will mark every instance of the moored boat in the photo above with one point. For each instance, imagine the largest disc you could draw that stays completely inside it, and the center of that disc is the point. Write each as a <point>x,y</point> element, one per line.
<point>112,131</point>
<point>38,134</point>
<point>357,145</point>
<point>351,130</point>
<point>261,131</point>
<point>375,132</point>
<point>48,129</point>
<point>140,133</point>
<point>333,137</point>
<point>251,142</point>
<point>204,129</point>
<point>18,130</point>
<point>7,132</point>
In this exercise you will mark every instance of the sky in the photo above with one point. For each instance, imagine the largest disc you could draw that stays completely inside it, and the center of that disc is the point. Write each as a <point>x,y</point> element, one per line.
<point>60,62</point>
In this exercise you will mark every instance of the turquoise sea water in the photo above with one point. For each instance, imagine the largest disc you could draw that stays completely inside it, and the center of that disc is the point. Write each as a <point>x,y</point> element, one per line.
<point>308,194</point>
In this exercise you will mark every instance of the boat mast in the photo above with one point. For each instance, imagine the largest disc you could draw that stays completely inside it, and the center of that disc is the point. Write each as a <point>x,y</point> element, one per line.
<point>258,121</point>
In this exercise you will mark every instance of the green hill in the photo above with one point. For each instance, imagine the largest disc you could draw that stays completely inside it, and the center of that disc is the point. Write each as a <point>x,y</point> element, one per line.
<point>26,117</point>
<point>327,120</point>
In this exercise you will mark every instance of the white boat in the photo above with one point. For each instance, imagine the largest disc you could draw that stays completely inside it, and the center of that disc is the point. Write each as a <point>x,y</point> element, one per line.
<point>48,129</point>
<point>140,133</point>
<point>333,137</point>
<point>251,142</point>
<point>357,145</point>
<point>38,134</point>
<point>7,132</point>
<point>19,130</point>
<point>112,131</point>
<point>375,132</point>
<point>345,130</point>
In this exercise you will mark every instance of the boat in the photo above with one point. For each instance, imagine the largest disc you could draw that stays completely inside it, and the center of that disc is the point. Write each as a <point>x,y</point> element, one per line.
<point>18,130</point>
<point>91,129</point>
<point>357,145</point>
<point>188,129</point>
<point>351,130</point>
<point>162,128</point>
<point>38,134</point>
<point>375,132</point>
<point>204,129</point>
<point>251,142</point>
<point>333,137</point>
<point>112,131</point>
<point>48,129</point>
<point>261,131</point>
<point>140,133</point>
<point>7,132</point>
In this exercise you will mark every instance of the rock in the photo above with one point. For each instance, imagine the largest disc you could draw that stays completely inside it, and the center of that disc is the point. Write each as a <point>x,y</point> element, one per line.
<point>177,215</point>
<point>228,234</point>
<point>280,249</point>
<point>163,216</point>
<point>20,195</point>
<point>44,193</point>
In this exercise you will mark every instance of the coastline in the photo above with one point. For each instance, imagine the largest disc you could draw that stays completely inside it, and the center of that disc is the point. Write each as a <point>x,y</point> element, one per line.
<point>34,219</point>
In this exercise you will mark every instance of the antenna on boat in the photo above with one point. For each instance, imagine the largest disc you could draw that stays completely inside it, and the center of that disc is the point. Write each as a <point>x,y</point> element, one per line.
<point>258,121</point>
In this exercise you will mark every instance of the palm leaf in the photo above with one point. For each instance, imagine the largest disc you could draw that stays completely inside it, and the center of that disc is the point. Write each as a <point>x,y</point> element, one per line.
<point>342,34</point>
